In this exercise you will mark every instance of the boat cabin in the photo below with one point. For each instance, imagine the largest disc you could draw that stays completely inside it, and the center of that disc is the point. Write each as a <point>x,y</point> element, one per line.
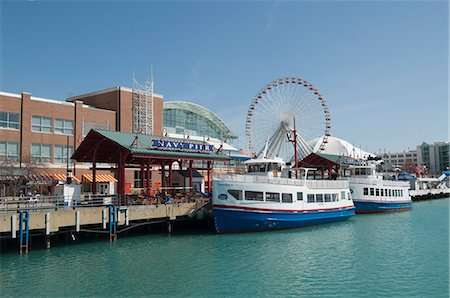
<point>265,167</point>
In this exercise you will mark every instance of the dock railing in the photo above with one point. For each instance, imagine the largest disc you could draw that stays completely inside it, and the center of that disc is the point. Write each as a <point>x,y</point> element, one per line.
<point>42,203</point>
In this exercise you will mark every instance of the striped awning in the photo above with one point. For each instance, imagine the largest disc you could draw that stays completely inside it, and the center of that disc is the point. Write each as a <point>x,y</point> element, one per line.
<point>49,177</point>
<point>99,178</point>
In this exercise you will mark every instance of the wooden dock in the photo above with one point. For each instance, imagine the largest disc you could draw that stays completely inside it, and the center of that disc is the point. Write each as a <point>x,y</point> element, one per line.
<point>107,219</point>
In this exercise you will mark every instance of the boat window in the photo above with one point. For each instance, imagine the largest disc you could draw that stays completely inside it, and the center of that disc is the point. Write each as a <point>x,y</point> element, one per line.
<point>254,195</point>
<point>401,192</point>
<point>327,197</point>
<point>299,196</point>
<point>377,192</point>
<point>390,193</point>
<point>286,198</point>
<point>310,198</point>
<point>319,198</point>
<point>349,196</point>
<point>366,191</point>
<point>372,192</point>
<point>334,197</point>
<point>237,194</point>
<point>272,197</point>
<point>262,168</point>
<point>342,195</point>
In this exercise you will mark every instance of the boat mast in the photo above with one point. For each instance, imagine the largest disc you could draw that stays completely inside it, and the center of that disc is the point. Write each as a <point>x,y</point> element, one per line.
<point>295,152</point>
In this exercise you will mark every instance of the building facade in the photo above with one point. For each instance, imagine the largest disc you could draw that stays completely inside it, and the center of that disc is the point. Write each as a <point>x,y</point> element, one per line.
<point>43,133</point>
<point>400,159</point>
<point>434,157</point>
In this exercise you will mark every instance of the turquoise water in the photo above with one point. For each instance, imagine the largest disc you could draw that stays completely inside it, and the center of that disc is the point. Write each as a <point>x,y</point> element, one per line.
<point>392,255</point>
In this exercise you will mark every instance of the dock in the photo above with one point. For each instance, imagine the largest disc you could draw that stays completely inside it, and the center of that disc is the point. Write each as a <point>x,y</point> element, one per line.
<point>111,215</point>
<point>429,194</point>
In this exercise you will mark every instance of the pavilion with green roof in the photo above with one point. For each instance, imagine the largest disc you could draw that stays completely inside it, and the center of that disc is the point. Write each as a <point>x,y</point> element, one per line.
<point>131,150</point>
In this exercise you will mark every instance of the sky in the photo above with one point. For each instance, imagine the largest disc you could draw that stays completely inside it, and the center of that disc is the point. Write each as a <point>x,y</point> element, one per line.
<point>382,65</point>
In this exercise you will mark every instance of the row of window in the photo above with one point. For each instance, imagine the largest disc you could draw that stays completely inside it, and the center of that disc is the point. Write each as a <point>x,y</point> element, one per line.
<point>39,152</point>
<point>38,123</point>
<point>285,197</point>
<point>383,192</point>
<point>9,120</point>
<point>44,124</point>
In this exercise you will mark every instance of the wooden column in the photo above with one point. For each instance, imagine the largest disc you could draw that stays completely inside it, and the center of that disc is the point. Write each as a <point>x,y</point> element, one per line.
<point>190,175</point>
<point>142,175</point>
<point>94,168</point>
<point>209,177</point>
<point>148,177</point>
<point>170,177</point>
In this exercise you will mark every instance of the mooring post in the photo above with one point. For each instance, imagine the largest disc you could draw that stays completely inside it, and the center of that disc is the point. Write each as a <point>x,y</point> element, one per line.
<point>77,221</point>
<point>104,211</point>
<point>169,227</point>
<point>14,226</point>
<point>47,230</point>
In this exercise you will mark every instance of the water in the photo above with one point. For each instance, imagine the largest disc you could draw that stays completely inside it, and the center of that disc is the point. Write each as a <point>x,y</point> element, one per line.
<point>391,255</point>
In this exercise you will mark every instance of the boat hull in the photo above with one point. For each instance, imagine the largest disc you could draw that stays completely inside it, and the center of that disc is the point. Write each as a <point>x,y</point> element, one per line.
<point>235,220</point>
<point>378,207</point>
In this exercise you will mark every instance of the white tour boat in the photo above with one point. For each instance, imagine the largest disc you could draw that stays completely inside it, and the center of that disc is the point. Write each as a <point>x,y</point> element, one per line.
<point>373,194</point>
<point>266,198</point>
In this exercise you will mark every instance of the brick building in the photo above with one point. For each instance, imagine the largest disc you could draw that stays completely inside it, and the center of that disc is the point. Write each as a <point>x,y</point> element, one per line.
<point>34,129</point>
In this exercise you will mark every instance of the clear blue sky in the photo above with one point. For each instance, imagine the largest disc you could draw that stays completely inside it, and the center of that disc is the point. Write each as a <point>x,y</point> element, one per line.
<point>383,66</point>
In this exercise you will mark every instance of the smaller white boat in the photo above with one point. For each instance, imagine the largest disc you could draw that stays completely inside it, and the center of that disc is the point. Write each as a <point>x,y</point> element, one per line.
<point>372,194</point>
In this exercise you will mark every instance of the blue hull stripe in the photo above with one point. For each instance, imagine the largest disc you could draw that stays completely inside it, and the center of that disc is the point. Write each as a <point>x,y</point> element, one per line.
<point>229,221</point>
<point>365,207</point>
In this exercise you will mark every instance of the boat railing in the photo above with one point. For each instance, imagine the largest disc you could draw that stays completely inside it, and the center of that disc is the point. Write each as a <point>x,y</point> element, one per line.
<point>283,181</point>
<point>378,182</point>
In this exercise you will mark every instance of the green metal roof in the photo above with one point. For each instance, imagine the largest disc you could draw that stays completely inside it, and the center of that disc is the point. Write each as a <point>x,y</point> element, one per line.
<point>142,144</point>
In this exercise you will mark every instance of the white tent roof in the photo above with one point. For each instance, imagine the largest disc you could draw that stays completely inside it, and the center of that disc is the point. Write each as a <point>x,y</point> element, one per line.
<point>338,146</point>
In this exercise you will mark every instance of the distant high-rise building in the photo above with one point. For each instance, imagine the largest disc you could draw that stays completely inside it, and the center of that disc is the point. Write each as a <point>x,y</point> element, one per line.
<point>435,157</point>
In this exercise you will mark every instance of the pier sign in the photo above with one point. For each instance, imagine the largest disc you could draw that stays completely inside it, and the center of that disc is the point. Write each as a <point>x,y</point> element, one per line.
<point>182,145</point>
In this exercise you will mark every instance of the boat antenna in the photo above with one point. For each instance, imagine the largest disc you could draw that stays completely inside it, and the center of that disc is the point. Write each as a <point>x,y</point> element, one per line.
<point>295,151</point>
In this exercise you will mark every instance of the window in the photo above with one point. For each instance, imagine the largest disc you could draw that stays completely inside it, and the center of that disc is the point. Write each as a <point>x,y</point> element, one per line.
<point>286,198</point>
<point>366,191</point>
<point>61,153</point>
<point>372,192</point>
<point>41,152</point>
<point>343,195</point>
<point>272,197</point>
<point>9,120</point>
<point>377,192</point>
<point>9,150</point>
<point>254,195</point>
<point>237,194</point>
<point>349,196</point>
<point>401,192</point>
<point>137,177</point>
<point>319,198</point>
<point>41,124</point>
<point>299,196</point>
<point>310,198</point>
<point>63,126</point>
<point>327,197</point>
<point>390,192</point>
<point>334,197</point>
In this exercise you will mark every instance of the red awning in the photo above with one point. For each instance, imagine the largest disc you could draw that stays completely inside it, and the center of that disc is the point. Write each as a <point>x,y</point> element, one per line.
<point>99,178</point>
<point>49,177</point>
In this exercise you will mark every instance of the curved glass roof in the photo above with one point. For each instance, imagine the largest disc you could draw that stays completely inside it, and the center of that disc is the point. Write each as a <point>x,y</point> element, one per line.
<point>203,112</point>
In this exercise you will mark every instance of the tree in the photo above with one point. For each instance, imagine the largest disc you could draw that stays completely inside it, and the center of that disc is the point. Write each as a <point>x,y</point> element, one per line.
<point>13,175</point>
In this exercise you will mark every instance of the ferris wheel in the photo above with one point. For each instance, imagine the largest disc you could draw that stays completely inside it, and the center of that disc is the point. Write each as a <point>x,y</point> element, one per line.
<point>273,112</point>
